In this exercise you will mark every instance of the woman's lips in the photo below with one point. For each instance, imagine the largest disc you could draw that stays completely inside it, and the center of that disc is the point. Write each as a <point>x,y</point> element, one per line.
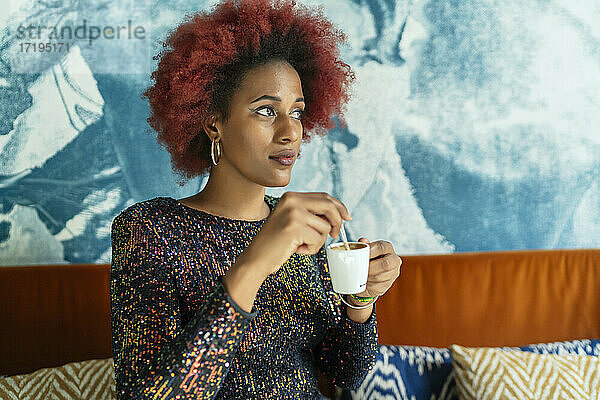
<point>283,160</point>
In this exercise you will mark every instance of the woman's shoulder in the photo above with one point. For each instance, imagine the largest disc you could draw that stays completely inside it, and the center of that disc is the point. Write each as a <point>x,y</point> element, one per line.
<point>146,209</point>
<point>156,214</point>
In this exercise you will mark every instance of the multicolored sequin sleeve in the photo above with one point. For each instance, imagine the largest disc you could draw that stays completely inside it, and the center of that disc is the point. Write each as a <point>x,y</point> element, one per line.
<point>349,348</point>
<point>155,356</point>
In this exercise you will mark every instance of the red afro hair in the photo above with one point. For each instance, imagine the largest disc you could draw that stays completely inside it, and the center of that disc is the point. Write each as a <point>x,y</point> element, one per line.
<point>204,60</point>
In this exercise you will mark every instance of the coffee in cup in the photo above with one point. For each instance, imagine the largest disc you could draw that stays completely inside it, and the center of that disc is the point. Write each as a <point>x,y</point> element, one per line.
<point>351,245</point>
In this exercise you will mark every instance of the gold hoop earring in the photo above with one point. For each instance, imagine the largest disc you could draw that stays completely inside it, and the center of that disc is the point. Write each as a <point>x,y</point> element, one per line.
<point>212,150</point>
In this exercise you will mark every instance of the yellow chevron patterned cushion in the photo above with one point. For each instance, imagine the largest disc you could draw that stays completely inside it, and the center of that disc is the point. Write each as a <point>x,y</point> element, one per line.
<point>89,380</point>
<point>490,373</point>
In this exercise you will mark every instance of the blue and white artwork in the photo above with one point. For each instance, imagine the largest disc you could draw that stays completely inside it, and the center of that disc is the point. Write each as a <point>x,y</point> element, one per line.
<point>473,126</point>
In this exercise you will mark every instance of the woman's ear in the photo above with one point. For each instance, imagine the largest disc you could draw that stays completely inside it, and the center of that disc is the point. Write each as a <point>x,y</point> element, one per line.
<point>211,127</point>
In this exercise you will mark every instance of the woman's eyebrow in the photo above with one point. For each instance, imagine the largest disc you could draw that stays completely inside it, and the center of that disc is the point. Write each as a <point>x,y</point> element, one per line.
<point>274,98</point>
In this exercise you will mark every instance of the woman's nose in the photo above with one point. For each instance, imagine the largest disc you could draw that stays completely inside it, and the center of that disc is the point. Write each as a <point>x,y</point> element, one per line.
<point>289,130</point>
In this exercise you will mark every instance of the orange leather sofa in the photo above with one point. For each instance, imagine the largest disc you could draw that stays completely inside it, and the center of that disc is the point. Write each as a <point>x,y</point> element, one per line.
<point>51,315</point>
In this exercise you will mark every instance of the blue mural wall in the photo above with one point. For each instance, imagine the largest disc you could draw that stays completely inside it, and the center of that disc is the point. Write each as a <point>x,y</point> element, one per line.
<point>474,125</point>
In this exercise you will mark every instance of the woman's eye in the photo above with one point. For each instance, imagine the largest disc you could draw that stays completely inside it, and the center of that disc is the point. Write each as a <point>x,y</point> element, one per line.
<point>270,109</point>
<point>300,113</point>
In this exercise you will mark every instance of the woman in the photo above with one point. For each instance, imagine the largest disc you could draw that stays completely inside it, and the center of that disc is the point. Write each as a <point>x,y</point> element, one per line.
<point>226,294</point>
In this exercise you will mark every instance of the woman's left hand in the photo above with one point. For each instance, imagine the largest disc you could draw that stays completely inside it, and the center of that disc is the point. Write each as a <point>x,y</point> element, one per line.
<point>384,268</point>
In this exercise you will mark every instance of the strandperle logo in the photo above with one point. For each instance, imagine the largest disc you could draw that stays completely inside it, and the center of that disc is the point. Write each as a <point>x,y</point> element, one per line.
<point>83,31</point>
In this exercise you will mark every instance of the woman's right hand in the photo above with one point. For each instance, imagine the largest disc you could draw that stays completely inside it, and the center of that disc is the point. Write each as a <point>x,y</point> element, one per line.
<point>299,224</point>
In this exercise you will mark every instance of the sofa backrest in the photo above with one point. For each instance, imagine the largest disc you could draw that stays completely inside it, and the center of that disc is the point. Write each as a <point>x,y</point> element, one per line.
<point>54,314</point>
<point>51,315</point>
<point>510,298</point>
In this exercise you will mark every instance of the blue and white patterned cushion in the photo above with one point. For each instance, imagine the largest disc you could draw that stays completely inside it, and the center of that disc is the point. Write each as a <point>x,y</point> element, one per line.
<point>425,373</point>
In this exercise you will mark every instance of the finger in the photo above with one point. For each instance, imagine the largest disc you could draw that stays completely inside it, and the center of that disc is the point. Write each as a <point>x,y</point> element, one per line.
<point>377,288</point>
<point>313,240</point>
<point>334,220</point>
<point>320,225</point>
<point>341,206</point>
<point>388,262</point>
<point>320,200</point>
<point>387,276</point>
<point>317,222</point>
<point>325,206</point>
<point>380,247</point>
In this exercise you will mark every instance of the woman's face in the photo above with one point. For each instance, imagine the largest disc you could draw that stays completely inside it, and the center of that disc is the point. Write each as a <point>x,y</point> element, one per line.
<point>264,120</point>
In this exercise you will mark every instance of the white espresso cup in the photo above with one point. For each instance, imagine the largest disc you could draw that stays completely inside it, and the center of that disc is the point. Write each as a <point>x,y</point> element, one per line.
<point>349,269</point>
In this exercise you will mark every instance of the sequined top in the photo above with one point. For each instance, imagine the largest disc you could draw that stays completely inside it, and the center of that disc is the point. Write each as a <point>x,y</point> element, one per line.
<point>177,334</point>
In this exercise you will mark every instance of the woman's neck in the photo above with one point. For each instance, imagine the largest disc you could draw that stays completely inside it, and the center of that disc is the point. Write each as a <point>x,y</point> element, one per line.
<point>226,199</point>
